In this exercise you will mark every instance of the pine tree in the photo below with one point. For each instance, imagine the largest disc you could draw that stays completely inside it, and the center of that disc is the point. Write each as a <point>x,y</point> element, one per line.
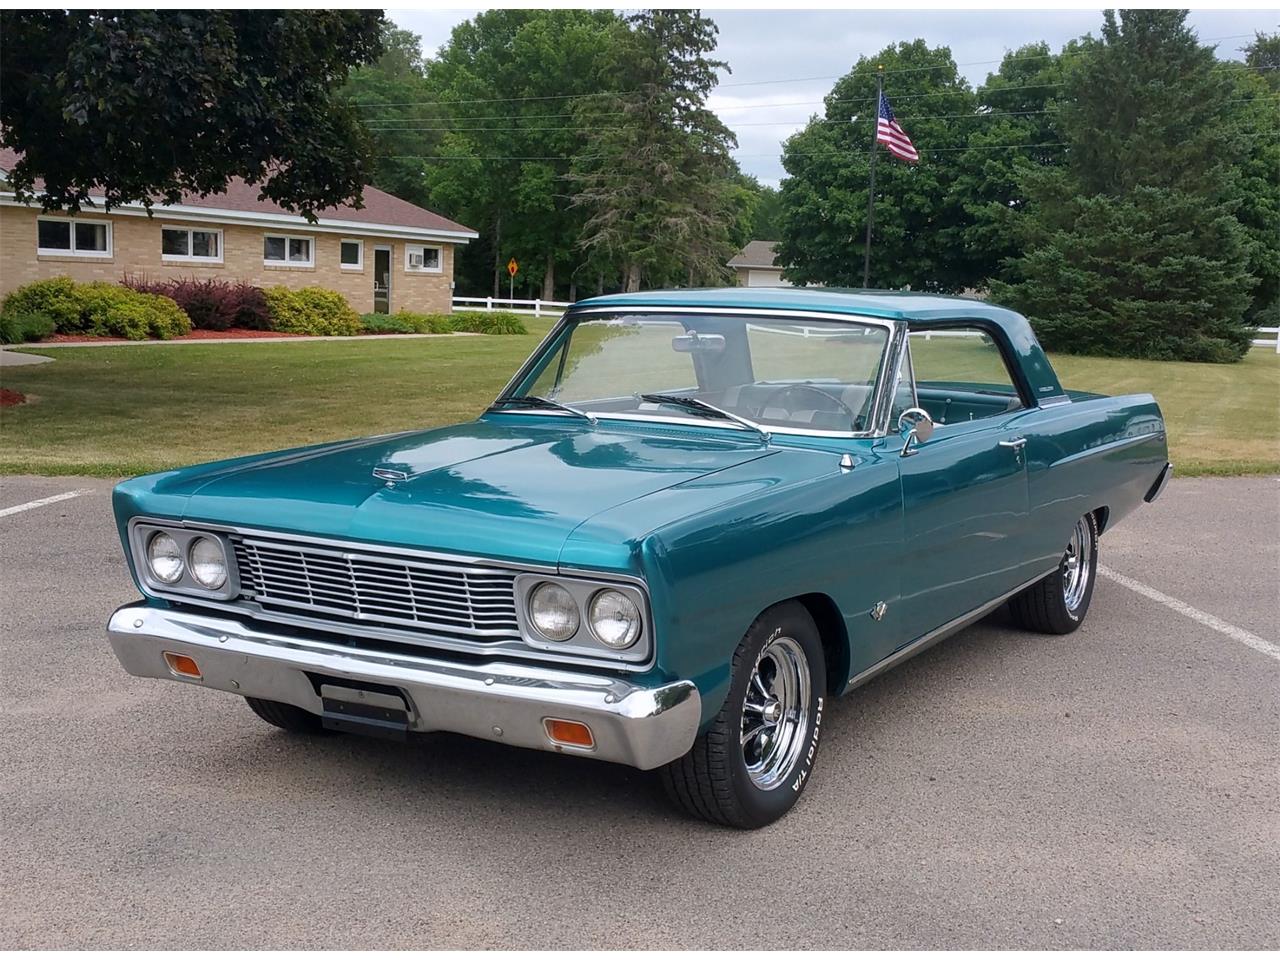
<point>655,178</point>
<point>1134,247</point>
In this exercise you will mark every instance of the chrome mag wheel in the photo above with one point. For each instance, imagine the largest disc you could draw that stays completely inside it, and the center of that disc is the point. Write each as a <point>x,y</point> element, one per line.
<point>1076,564</point>
<point>775,713</point>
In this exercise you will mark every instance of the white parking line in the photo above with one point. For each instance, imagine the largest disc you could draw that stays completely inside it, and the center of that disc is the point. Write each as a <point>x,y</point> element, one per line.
<point>1208,619</point>
<point>42,502</point>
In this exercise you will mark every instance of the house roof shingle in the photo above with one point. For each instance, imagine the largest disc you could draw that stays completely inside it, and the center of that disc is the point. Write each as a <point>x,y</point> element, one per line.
<point>759,254</point>
<point>240,197</point>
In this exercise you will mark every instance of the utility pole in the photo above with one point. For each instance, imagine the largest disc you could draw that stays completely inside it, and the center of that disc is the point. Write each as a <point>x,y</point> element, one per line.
<point>871,191</point>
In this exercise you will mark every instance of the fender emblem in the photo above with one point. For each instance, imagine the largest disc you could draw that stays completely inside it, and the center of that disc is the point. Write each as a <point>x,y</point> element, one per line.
<point>877,612</point>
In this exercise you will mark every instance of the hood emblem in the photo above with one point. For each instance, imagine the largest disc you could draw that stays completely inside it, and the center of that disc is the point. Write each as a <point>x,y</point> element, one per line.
<point>392,477</point>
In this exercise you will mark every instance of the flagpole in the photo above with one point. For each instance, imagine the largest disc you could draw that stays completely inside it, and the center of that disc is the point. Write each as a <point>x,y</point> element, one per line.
<point>871,190</point>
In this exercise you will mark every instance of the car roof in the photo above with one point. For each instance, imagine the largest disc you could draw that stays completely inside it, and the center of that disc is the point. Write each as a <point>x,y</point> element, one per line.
<point>887,304</point>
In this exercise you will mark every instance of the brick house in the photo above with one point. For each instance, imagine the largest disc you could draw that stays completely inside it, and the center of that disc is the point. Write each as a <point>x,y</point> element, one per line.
<point>388,255</point>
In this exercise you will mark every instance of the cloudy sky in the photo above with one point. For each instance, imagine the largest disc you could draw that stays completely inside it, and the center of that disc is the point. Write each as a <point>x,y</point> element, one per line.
<point>809,49</point>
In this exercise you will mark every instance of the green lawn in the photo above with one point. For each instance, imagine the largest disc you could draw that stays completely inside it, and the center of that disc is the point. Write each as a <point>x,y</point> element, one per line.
<point>114,411</point>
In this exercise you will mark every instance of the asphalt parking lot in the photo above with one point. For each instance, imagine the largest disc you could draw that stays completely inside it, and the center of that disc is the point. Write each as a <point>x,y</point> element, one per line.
<point>1116,788</point>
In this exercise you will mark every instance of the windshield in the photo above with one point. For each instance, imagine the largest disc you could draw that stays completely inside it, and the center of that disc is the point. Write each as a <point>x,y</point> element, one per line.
<point>798,374</point>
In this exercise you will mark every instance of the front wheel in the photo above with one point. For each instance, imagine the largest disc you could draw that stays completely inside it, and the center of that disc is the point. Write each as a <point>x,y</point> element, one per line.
<point>1059,602</point>
<point>751,766</point>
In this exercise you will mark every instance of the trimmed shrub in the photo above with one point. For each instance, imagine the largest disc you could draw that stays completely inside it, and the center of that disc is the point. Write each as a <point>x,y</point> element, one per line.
<point>55,297</point>
<point>406,322</point>
<point>100,309</point>
<point>500,323</point>
<point>211,304</point>
<point>24,326</point>
<point>311,310</point>
<point>252,312</point>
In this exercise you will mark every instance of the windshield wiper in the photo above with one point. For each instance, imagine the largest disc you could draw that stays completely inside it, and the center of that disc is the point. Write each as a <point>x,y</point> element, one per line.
<point>543,403</point>
<point>704,408</point>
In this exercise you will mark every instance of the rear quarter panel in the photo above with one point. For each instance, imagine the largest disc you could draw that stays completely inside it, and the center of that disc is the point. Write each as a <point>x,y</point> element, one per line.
<point>1098,453</point>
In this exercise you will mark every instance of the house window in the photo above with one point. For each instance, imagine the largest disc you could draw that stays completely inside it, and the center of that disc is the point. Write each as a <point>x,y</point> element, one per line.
<point>281,249</point>
<point>352,255</point>
<point>190,244</point>
<point>419,258</point>
<point>73,238</point>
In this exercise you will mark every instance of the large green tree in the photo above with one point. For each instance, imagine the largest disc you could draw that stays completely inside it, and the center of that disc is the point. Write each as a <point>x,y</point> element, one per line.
<point>1015,128</point>
<point>387,95</point>
<point>917,237</point>
<point>1133,247</point>
<point>660,192</point>
<point>141,105</point>
<point>512,98</point>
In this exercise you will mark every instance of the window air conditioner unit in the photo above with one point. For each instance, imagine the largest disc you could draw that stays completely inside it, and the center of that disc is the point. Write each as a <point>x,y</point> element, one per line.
<point>415,261</point>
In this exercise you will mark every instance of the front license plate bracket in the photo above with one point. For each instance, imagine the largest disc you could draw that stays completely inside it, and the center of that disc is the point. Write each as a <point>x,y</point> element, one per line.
<point>370,713</point>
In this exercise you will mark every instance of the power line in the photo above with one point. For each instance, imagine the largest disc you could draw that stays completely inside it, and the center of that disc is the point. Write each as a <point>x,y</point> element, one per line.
<point>833,152</point>
<point>611,93</point>
<point>977,115</point>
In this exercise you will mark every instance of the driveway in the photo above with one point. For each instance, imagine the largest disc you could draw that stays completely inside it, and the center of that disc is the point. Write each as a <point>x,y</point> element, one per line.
<point>1116,788</point>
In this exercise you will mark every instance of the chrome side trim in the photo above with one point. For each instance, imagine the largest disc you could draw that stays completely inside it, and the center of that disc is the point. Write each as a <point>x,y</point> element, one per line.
<point>920,644</point>
<point>641,726</point>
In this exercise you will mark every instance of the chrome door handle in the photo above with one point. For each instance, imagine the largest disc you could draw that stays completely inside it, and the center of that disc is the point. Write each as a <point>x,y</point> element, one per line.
<point>1016,444</point>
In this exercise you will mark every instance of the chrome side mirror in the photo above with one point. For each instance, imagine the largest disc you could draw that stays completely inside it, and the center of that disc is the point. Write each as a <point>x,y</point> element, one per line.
<point>919,425</point>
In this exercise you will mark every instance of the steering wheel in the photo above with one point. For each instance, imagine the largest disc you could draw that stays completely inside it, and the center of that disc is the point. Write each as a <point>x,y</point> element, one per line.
<point>787,389</point>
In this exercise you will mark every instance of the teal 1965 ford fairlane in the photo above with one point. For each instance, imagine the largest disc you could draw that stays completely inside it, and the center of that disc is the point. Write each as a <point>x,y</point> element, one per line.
<point>690,521</point>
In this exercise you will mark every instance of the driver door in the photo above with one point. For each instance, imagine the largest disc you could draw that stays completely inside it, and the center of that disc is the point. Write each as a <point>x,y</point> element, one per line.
<point>964,490</point>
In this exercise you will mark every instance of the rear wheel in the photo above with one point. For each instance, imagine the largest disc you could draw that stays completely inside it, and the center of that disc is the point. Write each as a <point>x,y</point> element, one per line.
<point>750,767</point>
<point>285,716</point>
<point>1059,602</point>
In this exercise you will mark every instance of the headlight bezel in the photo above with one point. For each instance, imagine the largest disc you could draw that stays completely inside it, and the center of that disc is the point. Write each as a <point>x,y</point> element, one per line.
<point>141,534</point>
<point>584,643</point>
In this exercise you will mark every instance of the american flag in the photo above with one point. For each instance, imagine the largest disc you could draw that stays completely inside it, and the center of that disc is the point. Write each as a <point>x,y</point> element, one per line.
<point>890,133</point>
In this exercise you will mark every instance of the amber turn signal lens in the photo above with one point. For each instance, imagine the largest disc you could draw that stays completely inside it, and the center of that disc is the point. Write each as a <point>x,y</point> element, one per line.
<point>570,733</point>
<point>182,665</point>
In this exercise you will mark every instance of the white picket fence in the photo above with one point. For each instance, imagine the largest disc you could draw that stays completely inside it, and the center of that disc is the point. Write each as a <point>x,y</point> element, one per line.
<point>534,308</point>
<point>547,308</point>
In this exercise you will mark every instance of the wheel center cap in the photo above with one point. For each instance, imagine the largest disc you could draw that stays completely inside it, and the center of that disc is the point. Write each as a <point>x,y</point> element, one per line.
<point>772,712</point>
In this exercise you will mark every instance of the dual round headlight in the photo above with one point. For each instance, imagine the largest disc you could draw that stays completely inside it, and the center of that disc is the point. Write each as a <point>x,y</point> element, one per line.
<point>205,560</point>
<point>612,616</point>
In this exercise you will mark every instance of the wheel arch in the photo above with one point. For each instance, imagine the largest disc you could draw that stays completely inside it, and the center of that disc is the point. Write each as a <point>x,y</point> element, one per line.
<point>833,633</point>
<point>1101,517</point>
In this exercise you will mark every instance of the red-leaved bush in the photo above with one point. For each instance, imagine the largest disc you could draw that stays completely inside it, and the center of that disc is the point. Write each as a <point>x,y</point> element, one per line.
<point>211,304</point>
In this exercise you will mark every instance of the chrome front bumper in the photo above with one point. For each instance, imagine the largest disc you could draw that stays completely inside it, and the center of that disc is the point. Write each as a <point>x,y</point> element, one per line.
<point>507,702</point>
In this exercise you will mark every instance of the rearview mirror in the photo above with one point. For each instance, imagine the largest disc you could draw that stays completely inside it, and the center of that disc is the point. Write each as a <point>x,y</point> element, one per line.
<point>691,342</point>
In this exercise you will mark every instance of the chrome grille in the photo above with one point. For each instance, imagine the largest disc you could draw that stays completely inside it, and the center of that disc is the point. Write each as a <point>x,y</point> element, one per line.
<point>347,585</point>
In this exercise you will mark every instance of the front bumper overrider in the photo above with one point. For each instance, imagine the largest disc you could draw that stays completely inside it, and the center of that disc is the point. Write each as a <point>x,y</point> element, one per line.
<point>506,702</point>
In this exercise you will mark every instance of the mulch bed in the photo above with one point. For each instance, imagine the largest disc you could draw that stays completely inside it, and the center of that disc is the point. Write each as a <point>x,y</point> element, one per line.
<point>10,398</point>
<point>233,334</point>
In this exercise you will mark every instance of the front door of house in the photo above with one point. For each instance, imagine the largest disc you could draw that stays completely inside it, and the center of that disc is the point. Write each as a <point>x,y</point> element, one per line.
<point>381,279</point>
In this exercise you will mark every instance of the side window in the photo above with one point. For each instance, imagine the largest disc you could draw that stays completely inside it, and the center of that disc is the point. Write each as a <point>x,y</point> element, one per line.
<point>961,375</point>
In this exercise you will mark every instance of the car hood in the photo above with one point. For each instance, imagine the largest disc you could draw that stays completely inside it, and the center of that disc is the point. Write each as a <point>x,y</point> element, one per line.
<point>508,487</point>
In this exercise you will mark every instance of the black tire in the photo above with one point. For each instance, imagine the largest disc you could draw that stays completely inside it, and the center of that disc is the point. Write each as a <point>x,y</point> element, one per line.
<point>1044,606</point>
<point>286,716</point>
<point>712,780</point>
